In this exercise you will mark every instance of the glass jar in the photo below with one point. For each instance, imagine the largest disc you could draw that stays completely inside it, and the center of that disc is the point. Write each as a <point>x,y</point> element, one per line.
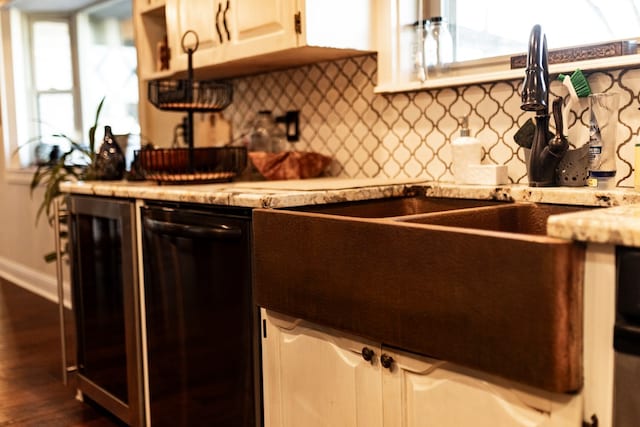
<point>262,132</point>
<point>417,52</point>
<point>438,46</point>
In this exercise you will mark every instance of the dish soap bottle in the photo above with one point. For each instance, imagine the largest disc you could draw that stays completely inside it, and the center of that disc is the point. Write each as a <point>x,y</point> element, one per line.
<point>466,151</point>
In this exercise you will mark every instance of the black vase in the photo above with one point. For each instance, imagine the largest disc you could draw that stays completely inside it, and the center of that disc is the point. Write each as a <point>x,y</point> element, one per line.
<point>110,163</point>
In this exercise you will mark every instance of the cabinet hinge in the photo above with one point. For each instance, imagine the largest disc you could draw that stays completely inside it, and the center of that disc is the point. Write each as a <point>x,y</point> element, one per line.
<point>297,21</point>
<point>264,328</point>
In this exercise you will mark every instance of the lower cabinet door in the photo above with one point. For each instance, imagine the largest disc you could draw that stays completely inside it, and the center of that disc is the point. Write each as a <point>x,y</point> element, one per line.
<point>318,377</point>
<point>421,392</point>
<point>314,378</point>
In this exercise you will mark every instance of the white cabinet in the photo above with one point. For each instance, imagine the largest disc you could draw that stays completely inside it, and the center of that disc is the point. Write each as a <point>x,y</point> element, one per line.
<point>150,24</point>
<point>314,379</point>
<point>249,36</point>
<point>425,392</point>
<point>229,30</point>
<point>314,376</point>
<point>203,17</point>
<point>261,27</point>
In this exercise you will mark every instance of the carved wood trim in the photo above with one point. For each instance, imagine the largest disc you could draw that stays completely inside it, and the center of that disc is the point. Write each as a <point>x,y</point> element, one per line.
<point>582,53</point>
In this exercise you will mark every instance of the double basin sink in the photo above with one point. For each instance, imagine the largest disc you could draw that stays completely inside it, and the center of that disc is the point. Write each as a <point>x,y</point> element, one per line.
<point>473,282</point>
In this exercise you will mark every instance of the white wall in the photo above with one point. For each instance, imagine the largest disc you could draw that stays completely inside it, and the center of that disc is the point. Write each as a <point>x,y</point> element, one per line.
<point>23,244</point>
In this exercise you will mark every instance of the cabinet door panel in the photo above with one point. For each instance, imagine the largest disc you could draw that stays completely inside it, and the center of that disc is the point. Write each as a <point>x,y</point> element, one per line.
<point>425,392</point>
<point>198,16</point>
<point>314,379</point>
<point>260,27</point>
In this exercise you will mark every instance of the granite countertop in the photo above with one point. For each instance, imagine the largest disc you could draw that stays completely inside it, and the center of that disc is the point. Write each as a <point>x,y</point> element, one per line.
<point>618,224</point>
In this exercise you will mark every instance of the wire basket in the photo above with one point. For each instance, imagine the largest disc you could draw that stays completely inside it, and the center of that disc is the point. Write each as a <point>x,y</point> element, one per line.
<point>182,95</point>
<point>210,164</point>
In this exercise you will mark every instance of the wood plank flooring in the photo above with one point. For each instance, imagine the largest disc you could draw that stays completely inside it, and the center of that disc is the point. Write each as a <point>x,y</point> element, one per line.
<point>31,389</point>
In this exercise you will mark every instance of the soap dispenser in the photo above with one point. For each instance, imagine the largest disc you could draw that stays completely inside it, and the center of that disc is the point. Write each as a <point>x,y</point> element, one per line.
<point>466,151</point>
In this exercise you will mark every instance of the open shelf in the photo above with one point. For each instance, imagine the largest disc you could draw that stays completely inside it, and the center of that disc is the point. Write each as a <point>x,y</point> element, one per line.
<point>152,32</point>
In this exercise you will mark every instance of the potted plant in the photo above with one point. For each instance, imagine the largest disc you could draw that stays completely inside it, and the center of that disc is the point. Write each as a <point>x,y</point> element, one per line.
<point>58,169</point>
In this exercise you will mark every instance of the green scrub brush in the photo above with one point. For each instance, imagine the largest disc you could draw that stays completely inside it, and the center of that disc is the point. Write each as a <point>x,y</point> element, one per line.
<point>577,84</point>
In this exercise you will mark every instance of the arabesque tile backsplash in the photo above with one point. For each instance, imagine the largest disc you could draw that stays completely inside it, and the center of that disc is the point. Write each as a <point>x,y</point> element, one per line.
<point>409,134</point>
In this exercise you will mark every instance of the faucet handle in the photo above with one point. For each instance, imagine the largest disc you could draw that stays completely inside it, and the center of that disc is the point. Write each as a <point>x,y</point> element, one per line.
<point>558,144</point>
<point>557,115</point>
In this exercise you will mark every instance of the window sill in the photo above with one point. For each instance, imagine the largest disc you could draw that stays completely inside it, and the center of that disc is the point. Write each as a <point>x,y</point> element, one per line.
<point>19,176</point>
<point>502,72</point>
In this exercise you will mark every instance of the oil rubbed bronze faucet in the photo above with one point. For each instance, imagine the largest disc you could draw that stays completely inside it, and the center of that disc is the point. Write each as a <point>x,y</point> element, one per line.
<point>544,156</point>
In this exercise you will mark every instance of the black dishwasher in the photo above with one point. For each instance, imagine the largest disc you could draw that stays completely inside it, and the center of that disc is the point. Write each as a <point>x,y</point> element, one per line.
<point>202,349</point>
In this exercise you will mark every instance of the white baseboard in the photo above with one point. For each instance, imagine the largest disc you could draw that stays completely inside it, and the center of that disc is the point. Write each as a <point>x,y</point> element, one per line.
<point>33,280</point>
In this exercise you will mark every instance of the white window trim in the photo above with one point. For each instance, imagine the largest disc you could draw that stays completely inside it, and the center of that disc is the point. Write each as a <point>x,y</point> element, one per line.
<point>10,28</point>
<point>33,92</point>
<point>14,104</point>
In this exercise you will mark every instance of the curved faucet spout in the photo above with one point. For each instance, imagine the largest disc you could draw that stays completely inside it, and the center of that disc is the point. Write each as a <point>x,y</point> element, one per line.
<point>535,91</point>
<point>543,159</point>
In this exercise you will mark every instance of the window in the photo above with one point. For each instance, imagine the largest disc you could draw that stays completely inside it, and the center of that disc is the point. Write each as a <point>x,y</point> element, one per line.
<point>487,33</point>
<point>52,83</point>
<point>492,28</point>
<point>57,69</point>
<point>108,68</point>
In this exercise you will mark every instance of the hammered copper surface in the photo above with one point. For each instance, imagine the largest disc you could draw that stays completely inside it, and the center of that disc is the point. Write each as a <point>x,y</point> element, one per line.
<point>522,218</point>
<point>506,303</point>
<point>400,206</point>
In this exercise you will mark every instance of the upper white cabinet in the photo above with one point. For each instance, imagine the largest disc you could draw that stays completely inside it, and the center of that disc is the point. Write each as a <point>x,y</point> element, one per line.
<point>316,377</point>
<point>150,24</point>
<point>200,18</point>
<point>250,36</point>
<point>229,30</point>
<point>260,27</point>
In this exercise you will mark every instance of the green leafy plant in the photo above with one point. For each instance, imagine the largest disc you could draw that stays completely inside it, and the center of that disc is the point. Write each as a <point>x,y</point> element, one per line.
<point>52,173</point>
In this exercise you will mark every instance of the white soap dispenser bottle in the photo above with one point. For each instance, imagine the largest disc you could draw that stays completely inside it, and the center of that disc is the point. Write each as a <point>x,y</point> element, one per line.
<point>466,150</point>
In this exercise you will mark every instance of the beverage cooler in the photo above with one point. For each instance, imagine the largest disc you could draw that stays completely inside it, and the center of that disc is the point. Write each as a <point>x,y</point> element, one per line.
<point>105,301</point>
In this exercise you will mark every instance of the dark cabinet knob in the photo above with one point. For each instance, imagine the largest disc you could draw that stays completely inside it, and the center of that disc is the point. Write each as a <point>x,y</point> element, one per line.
<point>367,354</point>
<point>386,361</point>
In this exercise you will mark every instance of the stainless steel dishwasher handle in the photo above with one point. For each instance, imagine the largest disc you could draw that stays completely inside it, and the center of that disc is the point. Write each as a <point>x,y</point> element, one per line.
<point>217,231</point>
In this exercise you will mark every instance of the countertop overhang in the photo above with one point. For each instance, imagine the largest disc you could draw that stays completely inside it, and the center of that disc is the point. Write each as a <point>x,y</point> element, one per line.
<point>619,224</point>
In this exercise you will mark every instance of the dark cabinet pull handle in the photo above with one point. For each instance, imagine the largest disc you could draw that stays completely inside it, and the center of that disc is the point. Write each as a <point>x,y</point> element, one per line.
<point>386,361</point>
<point>217,231</point>
<point>217,22</point>
<point>368,354</point>
<point>224,20</point>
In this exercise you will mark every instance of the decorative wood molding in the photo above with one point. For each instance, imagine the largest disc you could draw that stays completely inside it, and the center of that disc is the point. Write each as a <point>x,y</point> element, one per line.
<point>582,53</point>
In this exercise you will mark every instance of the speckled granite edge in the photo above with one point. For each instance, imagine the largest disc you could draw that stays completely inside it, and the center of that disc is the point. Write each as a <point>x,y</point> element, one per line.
<point>240,195</point>
<point>619,225</point>
<point>228,194</point>
<point>519,193</point>
<point>615,226</point>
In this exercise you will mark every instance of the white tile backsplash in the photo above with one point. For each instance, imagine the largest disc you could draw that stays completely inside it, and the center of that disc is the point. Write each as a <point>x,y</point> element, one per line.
<point>409,134</point>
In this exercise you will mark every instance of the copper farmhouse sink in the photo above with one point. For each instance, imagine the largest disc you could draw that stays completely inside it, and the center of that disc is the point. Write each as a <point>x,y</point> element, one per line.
<point>479,284</point>
<point>399,206</point>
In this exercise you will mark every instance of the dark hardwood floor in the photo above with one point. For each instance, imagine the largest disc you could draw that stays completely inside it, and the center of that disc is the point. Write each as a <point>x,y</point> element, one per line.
<point>31,388</point>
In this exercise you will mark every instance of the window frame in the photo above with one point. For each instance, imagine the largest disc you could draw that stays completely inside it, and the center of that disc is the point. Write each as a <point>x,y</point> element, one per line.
<point>18,102</point>
<point>33,92</point>
<point>392,69</point>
